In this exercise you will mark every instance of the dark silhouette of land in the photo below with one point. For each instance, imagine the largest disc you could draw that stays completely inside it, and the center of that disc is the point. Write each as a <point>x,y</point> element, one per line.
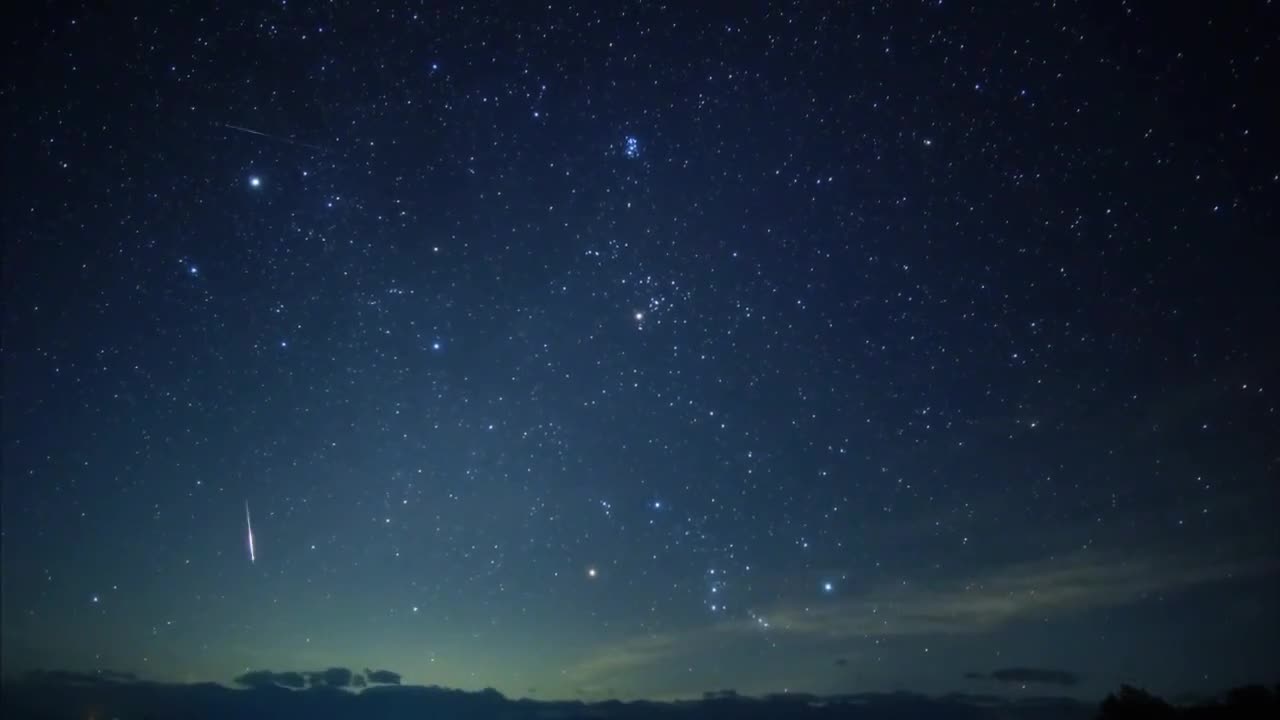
<point>339,693</point>
<point>1250,701</point>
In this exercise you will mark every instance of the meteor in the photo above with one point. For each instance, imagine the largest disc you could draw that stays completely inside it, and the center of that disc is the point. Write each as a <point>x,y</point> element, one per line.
<point>248,522</point>
<point>277,138</point>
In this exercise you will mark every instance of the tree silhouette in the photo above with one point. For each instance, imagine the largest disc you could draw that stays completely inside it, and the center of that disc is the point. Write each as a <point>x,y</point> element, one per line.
<point>1248,702</point>
<point>1132,702</point>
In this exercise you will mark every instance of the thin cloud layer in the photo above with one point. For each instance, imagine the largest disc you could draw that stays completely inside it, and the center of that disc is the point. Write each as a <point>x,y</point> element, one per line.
<point>79,678</point>
<point>337,677</point>
<point>1025,675</point>
<point>1083,582</point>
<point>382,677</point>
<point>267,678</point>
<point>334,677</point>
<point>1056,586</point>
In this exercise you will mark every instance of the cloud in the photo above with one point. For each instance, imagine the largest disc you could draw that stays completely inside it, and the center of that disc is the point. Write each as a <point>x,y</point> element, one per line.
<point>1055,586</point>
<point>975,699</point>
<point>256,679</point>
<point>338,677</point>
<point>79,678</point>
<point>291,679</point>
<point>334,677</point>
<point>382,677</point>
<point>266,678</point>
<point>1035,675</point>
<point>637,652</point>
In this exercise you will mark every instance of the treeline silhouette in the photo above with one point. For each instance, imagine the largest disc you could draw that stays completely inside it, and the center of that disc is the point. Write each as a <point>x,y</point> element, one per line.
<point>1249,701</point>
<point>57,695</point>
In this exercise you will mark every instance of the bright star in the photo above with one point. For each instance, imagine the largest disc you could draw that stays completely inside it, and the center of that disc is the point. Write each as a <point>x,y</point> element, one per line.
<point>591,572</point>
<point>255,181</point>
<point>828,587</point>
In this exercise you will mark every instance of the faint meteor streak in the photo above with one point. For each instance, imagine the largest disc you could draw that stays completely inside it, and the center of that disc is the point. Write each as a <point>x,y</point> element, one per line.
<point>269,136</point>
<point>249,524</point>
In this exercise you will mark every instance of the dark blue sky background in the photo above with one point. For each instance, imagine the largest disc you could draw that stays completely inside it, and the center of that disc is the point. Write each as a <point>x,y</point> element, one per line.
<point>636,350</point>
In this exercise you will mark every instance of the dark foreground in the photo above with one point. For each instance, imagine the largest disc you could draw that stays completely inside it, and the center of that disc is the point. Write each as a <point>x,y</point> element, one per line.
<point>50,695</point>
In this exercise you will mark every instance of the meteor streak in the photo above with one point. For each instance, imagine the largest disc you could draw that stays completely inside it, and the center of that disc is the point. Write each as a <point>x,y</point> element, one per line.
<point>277,138</point>
<point>249,524</point>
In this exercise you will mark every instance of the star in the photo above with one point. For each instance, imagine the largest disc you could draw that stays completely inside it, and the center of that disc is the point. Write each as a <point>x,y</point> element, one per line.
<point>591,572</point>
<point>255,181</point>
<point>828,586</point>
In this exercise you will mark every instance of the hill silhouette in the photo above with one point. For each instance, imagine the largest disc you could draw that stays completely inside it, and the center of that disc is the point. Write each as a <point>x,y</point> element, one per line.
<point>338,694</point>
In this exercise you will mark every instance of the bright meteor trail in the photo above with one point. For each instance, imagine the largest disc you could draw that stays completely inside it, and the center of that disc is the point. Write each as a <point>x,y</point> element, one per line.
<point>249,524</point>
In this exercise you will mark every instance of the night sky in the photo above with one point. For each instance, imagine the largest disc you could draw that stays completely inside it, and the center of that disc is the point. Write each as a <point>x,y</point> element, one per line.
<point>636,350</point>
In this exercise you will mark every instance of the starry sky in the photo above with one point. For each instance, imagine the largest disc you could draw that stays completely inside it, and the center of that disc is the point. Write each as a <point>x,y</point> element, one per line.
<point>591,350</point>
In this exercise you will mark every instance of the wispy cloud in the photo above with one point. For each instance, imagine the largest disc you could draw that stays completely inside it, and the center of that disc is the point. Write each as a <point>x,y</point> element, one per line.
<point>1084,581</point>
<point>639,651</point>
<point>1025,675</point>
<point>1051,587</point>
